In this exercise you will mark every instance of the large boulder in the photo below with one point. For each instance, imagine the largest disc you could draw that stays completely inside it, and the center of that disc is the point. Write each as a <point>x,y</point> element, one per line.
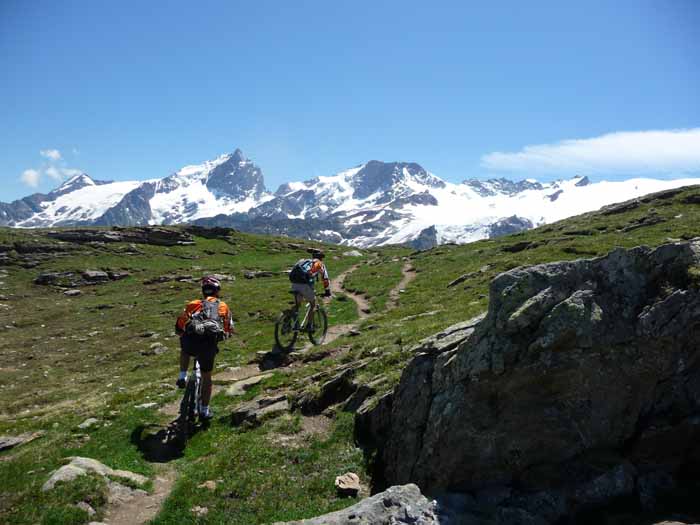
<point>583,378</point>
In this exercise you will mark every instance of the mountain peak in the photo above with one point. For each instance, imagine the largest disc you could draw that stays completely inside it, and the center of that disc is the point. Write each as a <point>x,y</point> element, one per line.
<point>377,176</point>
<point>76,182</point>
<point>237,177</point>
<point>80,178</point>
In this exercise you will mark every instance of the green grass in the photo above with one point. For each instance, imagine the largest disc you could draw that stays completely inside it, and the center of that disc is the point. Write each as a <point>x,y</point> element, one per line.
<point>260,480</point>
<point>69,358</point>
<point>66,359</point>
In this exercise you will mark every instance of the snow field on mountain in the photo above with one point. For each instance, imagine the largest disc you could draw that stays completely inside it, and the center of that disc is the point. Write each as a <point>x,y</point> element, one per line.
<point>192,200</point>
<point>84,204</point>
<point>463,216</point>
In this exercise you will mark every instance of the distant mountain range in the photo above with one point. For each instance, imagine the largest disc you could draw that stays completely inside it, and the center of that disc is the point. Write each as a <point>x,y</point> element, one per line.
<point>373,204</point>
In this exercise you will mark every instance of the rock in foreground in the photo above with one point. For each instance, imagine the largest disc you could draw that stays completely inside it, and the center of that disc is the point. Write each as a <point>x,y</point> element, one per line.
<point>394,506</point>
<point>580,385</point>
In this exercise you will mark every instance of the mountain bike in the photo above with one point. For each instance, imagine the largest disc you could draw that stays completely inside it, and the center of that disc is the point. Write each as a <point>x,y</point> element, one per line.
<point>191,400</point>
<point>288,327</point>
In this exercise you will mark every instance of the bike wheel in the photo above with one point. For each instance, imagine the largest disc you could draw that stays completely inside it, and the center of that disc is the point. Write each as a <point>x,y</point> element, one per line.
<point>285,335</point>
<point>320,326</point>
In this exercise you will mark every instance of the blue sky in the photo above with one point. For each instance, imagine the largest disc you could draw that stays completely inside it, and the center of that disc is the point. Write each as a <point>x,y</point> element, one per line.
<point>134,90</point>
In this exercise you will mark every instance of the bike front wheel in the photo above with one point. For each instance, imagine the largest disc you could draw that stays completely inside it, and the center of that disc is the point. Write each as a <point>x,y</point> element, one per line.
<point>318,335</point>
<point>285,334</point>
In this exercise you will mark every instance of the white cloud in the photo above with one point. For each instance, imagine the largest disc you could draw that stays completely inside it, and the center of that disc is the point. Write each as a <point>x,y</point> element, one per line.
<point>70,172</point>
<point>54,172</point>
<point>30,178</point>
<point>626,152</point>
<point>54,167</point>
<point>51,154</point>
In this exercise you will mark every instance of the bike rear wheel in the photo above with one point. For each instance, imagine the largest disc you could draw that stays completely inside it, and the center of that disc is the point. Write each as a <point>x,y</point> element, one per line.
<point>285,335</point>
<point>320,326</point>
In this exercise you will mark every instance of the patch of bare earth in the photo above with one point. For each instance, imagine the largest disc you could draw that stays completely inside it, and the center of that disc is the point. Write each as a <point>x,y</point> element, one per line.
<point>142,508</point>
<point>311,426</point>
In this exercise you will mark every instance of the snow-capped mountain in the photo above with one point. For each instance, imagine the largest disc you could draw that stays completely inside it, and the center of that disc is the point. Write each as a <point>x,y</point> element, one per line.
<point>389,203</point>
<point>373,204</point>
<point>229,184</point>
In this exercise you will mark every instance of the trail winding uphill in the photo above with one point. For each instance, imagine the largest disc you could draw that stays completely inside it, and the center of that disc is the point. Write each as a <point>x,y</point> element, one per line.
<point>143,508</point>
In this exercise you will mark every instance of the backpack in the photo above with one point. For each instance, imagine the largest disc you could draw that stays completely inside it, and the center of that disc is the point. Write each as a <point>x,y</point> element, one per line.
<point>301,272</point>
<point>207,322</point>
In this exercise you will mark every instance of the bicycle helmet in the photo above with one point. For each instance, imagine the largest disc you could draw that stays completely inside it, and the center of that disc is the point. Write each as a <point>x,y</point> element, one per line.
<point>210,284</point>
<point>316,253</point>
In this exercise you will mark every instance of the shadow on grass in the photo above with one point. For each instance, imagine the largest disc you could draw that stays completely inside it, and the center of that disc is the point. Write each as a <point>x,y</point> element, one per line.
<point>276,358</point>
<point>162,445</point>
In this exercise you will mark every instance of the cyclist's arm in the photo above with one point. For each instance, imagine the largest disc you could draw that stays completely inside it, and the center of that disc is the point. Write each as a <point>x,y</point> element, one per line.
<point>319,269</point>
<point>225,312</point>
<point>326,279</point>
<point>184,317</point>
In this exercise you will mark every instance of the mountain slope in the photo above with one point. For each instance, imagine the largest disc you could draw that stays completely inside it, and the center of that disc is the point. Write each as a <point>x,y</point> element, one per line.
<point>115,354</point>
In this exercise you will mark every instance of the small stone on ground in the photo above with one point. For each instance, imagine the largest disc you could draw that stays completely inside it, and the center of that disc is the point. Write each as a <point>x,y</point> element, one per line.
<point>348,484</point>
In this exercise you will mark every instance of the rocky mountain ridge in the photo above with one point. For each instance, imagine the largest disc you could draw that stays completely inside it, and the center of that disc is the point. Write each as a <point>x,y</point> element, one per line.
<point>374,204</point>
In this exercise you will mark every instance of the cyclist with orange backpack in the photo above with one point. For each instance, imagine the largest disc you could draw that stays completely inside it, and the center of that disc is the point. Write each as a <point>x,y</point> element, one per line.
<point>203,323</point>
<point>303,277</point>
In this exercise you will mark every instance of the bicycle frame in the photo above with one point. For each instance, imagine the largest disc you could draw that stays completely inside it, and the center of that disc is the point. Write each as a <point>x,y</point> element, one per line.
<point>288,327</point>
<point>303,323</point>
<point>194,382</point>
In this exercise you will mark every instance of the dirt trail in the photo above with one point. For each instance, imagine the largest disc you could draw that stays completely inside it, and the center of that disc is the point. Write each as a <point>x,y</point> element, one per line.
<point>140,508</point>
<point>409,274</point>
<point>363,309</point>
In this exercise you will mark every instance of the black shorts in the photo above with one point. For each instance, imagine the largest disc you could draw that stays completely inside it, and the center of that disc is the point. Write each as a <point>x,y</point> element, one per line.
<point>204,350</point>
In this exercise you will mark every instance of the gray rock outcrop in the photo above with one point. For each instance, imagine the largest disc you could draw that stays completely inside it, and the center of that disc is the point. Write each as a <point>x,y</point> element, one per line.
<point>582,380</point>
<point>395,506</point>
<point>254,412</point>
<point>154,235</point>
<point>426,240</point>
<point>8,442</point>
<point>80,466</point>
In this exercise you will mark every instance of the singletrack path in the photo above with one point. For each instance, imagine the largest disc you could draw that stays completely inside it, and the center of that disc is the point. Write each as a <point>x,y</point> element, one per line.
<point>363,309</point>
<point>141,509</point>
<point>409,274</point>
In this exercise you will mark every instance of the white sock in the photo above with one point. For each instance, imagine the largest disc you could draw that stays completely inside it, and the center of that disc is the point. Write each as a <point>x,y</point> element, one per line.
<point>183,375</point>
<point>204,409</point>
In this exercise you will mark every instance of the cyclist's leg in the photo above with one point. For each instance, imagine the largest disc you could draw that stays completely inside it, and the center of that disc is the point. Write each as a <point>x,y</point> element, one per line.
<point>206,388</point>
<point>206,364</point>
<point>310,296</point>
<point>184,364</point>
<point>298,303</point>
<point>312,309</point>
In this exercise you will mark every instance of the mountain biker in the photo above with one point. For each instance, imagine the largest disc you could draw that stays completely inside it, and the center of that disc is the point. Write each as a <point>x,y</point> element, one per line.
<point>303,281</point>
<point>197,342</point>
